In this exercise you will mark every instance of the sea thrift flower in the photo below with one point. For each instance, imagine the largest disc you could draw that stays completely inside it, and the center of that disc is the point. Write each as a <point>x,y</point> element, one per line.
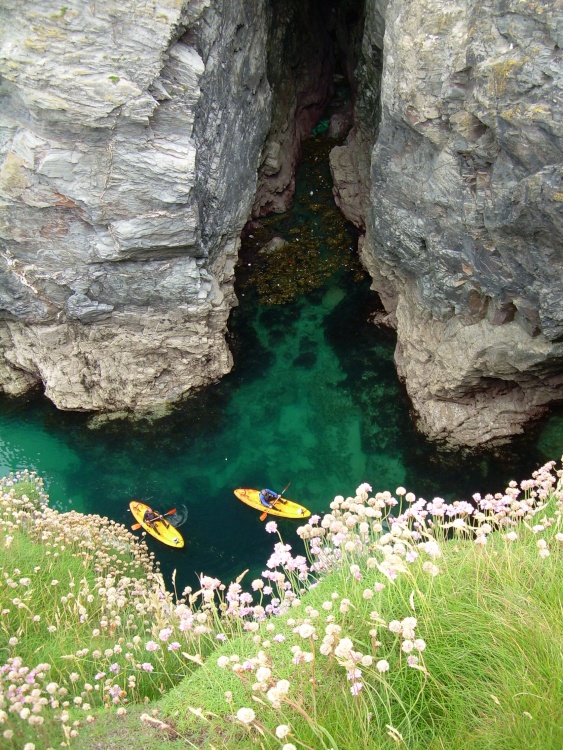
<point>363,489</point>
<point>428,567</point>
<point>355,688</point>
<point>305,630</point>
<point>263,674</point>
<point>282,731</point>
<point>382,665</point>
<point>246,715</point>
<point>271,527</point>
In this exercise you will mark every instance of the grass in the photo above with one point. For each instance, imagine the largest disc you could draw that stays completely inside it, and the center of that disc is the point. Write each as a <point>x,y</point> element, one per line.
<point>436,627</point>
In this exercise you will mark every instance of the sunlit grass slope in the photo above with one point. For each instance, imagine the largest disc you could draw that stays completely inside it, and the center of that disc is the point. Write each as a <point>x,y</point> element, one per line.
<point>409,624</point>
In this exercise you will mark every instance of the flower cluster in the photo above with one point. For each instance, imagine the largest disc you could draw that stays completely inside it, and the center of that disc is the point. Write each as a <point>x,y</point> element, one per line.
<point>132,639</point>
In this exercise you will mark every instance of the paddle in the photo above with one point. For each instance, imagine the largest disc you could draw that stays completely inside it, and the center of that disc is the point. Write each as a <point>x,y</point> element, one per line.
<point>136,526</point>
<point>263,516</point>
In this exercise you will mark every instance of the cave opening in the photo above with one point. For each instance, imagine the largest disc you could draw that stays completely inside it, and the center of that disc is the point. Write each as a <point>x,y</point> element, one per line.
<point>313,68</point>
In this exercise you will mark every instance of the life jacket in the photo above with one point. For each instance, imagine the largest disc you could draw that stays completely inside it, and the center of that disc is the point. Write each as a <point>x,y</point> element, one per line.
<point>267,496</point>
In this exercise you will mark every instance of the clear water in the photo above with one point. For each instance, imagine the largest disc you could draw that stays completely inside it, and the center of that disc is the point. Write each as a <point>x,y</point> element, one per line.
<point>313,400</point>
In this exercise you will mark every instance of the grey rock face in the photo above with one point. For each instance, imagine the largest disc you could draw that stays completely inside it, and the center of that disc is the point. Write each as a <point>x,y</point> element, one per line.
<point>350,164</point>
<point>465,228</point>
<point>130,137</point>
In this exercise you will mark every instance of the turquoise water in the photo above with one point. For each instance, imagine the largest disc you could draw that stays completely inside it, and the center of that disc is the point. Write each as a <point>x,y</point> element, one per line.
<point>313,400</point>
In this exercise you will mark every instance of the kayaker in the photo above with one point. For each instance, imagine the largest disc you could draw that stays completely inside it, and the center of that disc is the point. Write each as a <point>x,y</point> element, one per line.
<point>268,498</point>
<point>149,516</point>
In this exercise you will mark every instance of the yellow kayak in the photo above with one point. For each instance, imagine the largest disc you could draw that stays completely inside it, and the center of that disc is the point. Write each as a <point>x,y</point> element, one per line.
<point>283,508</point>
<point>160,528</point>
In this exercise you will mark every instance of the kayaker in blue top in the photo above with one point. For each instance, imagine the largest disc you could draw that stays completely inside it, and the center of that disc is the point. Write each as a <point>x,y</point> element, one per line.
<point>268,498</point>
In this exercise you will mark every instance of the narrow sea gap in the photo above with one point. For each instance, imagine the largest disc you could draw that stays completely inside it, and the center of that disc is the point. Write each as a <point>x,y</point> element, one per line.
<point>313,400</point>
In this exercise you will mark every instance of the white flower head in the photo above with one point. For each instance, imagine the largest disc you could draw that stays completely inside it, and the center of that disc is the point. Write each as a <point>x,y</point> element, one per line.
<point>246,715</point>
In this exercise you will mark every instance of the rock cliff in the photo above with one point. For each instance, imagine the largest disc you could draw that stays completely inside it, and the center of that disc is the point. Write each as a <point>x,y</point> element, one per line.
<point>464,222</point>
<point>131,134</point>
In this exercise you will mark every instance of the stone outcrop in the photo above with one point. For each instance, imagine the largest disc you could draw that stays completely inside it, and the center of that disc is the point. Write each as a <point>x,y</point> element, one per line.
<point>465,223</point>
<point>131,134</point>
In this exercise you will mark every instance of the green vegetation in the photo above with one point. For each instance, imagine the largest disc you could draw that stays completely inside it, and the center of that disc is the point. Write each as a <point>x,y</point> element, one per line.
<point>114,79</point>
<point>433,627</point>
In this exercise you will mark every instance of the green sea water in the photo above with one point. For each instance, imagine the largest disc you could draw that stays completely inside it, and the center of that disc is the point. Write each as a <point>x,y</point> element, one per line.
<point>313,400</point>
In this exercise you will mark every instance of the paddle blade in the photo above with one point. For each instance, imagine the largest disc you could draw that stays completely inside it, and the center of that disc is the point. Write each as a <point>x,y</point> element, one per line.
<point>264,516</point>
<point>136,526</point>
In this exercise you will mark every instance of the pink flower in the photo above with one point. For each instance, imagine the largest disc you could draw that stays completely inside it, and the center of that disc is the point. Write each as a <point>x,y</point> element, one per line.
<point>165,634</point>
<point>147,667</point>
<point>152,646</point>
<point>355,688</point>
<point>209,583</point>
<point>174,646</point>
<point>271,527</point>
